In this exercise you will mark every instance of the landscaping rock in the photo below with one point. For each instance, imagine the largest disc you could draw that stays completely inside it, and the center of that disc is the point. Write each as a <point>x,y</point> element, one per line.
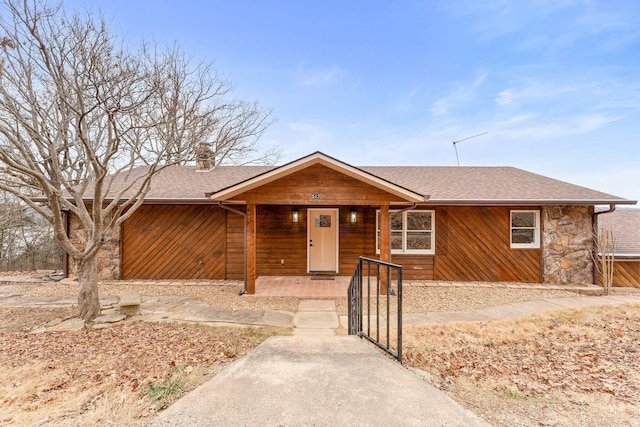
<point>110,318</point>
<point>129,303</point>
<point>73,324</point>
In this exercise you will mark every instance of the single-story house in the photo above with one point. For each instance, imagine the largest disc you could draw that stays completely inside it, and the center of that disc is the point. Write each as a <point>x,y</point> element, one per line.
<point>317,215</point>
<point>625,226</point>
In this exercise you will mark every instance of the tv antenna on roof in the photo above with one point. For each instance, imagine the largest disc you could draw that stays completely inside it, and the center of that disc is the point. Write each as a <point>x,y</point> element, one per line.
<point>464,139</point>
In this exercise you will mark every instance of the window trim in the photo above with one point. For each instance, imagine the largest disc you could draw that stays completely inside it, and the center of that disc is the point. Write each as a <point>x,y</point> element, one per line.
<point>536,235</point>
<point>405,251</point>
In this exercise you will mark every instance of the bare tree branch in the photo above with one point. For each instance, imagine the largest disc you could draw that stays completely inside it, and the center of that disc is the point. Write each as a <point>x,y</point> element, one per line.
<point>87,123</point>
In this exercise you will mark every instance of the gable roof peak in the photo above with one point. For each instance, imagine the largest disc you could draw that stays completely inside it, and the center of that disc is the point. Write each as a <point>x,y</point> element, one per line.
<point>314,158</point>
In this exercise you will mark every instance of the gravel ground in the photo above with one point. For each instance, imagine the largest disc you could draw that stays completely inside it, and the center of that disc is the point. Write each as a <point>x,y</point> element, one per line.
<point>220,294</point>
<point>418,298</point>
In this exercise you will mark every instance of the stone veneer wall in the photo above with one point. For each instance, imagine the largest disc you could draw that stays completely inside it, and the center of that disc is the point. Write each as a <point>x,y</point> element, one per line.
<point>108,255</point>
<point>567,241</point>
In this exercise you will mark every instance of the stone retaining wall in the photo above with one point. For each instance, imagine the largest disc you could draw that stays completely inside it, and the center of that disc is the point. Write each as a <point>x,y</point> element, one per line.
<point>567,240</point>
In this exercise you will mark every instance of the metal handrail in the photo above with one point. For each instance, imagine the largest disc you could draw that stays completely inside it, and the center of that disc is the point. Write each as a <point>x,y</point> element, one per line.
<point>356,303</point>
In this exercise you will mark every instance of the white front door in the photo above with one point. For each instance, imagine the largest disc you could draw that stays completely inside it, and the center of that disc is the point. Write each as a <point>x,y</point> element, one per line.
<point>322,236</point>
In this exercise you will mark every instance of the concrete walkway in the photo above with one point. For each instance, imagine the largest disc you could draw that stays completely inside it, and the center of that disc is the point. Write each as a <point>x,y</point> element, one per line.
<point>316,381</point>
<point>315,377</point>
<point>316,318</point>
<point>507,311</point>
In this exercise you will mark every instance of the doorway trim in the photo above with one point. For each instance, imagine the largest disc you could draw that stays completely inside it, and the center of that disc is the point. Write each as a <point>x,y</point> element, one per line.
<point>310,220</point>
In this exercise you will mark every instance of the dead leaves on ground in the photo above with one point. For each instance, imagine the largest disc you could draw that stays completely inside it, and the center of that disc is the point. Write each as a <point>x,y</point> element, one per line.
<point>587,351</point>
<point>126,358</point>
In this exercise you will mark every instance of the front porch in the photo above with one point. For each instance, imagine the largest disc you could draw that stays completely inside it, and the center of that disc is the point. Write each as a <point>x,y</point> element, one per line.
<point>315,215</point>
<point>302,286</point>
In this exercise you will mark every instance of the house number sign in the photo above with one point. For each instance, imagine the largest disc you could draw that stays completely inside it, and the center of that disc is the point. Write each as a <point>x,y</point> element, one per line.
<point>315,196</point>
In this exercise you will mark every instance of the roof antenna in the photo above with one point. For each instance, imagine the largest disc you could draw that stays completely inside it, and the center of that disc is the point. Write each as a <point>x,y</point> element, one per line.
<point>464,139</point>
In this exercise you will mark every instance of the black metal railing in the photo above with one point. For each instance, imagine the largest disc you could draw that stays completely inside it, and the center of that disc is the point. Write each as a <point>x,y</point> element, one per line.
<point>361,315</point>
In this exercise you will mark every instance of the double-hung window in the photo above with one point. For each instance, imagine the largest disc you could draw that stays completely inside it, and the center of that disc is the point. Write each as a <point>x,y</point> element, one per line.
<point>412,232</point>
<point>525,229</point>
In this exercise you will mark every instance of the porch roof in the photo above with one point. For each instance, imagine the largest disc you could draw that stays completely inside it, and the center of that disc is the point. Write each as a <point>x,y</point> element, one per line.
<point>317,158</point>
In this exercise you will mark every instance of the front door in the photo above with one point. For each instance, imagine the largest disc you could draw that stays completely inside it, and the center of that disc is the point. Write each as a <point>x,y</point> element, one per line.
<point>322,235</point>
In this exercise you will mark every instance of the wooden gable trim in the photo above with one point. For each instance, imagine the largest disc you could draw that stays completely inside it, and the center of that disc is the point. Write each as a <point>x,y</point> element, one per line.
<point>314,159</point>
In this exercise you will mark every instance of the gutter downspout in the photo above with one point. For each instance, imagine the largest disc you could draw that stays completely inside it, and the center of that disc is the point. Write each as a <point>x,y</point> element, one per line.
<point>244,215</point>
<point>594,224</point>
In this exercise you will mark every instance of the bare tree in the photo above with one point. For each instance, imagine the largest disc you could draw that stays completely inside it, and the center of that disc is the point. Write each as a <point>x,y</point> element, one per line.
<point>26,240</point>
<point>604,257</point>
<point>87,123</point>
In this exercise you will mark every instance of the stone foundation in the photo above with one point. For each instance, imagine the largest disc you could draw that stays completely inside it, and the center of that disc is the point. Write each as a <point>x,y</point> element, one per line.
<point>567,240</point>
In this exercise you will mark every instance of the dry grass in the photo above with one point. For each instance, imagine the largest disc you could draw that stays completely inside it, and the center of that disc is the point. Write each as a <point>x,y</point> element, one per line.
<point>569,368</point>
<point>565,368</point>
<point>105,376</point>
<point>32,394</point>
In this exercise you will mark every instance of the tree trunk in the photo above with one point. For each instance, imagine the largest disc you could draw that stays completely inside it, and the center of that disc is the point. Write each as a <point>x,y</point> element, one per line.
<point>88,301</point>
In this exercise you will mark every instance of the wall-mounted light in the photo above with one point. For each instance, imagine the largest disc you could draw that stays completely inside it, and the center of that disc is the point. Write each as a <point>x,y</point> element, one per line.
<point>295,215</point>
<point>353,217</point>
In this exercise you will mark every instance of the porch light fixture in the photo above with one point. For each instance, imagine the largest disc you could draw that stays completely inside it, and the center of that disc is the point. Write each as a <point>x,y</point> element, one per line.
<point>353,217</point>
<point>295,215</point>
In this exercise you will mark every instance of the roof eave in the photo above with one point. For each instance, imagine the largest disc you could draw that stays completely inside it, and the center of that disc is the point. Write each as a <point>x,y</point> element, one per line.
<point>527,202</point>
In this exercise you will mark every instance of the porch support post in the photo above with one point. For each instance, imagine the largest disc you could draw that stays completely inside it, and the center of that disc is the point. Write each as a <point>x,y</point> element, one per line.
<point>251,249</point>
<point>385,245</point>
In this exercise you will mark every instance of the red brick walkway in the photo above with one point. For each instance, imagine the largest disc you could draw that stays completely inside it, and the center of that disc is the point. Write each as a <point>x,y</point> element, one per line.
<point>302,286</point>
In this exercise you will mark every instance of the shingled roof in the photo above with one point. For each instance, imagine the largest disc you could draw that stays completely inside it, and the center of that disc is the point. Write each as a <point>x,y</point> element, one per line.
<point>454,185</point>
<point>625,224</point>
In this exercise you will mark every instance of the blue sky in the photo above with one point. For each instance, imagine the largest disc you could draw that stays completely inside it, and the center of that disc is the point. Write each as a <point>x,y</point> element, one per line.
<point>555,83</point>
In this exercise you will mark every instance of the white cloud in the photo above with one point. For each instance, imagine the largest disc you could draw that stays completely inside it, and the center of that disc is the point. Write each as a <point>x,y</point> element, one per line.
<point>462,93</point>
<point>320,76</point>
<point>525,128</point>
<point>406,101</point>
<point>533,90</point>
<point>301,138</point>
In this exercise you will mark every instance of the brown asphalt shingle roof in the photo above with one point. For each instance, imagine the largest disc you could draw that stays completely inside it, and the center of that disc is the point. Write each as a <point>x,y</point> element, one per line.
<point>473,185</point>
<point>455,183</point>
<point>184,182</point>
<point>625,224</point>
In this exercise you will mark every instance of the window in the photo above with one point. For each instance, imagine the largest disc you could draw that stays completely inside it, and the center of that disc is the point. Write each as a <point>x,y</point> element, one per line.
<point>525,229</point>
<point>412,232</point>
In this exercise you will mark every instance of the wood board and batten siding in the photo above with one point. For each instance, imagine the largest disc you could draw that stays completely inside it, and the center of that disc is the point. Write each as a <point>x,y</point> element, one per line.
<point>175,242</point>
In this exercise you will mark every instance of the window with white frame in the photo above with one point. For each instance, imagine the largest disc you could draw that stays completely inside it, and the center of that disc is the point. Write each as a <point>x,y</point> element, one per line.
<point>412,232</point>
<point>525,229</point>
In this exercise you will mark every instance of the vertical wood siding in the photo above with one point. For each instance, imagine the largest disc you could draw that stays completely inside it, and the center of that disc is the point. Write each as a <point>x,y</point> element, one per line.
<point>472,244</point>
<point>174,242</point>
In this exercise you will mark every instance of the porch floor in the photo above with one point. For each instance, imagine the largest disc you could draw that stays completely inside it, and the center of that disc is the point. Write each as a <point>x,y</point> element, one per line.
<point>302,286</point>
